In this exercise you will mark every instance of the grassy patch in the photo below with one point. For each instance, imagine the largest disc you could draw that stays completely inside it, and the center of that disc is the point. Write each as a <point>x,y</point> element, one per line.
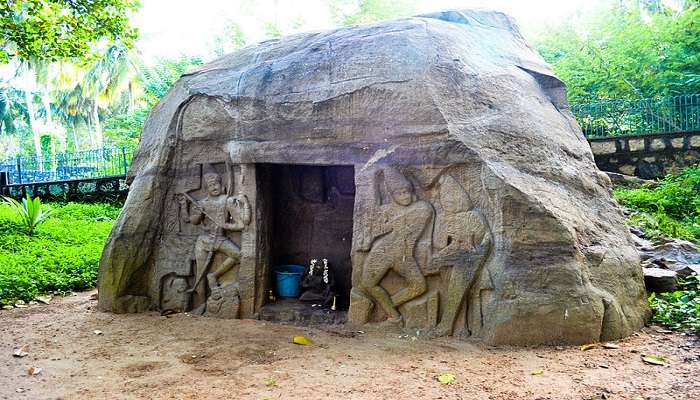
<point>670,209</point>
<point>62,255</point>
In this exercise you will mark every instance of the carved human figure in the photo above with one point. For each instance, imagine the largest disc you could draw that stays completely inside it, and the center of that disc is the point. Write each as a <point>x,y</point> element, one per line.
<point>463,240</point>
<point>217,214</point>
<point>391,244</point>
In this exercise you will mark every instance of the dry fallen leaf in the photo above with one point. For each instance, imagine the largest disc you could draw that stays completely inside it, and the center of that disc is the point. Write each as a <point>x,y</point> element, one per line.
<point>20,352</point>
<point>446,379</point>
<point>33,371</point>
<point>589,346</point>
<point>654,360</point>
<point>537,372</point>
<point>270,382</point>
<point>302,340</point>
<point>610,346</point>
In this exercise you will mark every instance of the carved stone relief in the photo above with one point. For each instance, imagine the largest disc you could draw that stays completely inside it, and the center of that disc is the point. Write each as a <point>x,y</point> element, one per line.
<point>401,226</point>
<point>212,218</point>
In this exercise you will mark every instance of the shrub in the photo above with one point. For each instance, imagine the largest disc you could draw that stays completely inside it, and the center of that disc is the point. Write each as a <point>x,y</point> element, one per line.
<point>672,208</point>
<point>63,255</point>
<point>679,310</point>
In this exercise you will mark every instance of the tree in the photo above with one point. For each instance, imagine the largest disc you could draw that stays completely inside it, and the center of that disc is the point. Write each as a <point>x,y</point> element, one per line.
<point>350,12</point>
<point>628,51</point>
<point>54,30</point>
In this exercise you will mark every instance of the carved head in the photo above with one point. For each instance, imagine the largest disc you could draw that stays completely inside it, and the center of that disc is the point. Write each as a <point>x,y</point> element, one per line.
<point>453,198</point>
<point>399,187</point>
<point>212,180</point>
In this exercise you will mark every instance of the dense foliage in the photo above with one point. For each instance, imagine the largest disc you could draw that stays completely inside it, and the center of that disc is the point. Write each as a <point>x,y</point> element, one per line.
<point>679,310</point>
<point>154,82</point>
<point>628,50</point>
<point>63,254</point>
<point>56,30</point>
<point>672,208</point>
<point>348,12</point>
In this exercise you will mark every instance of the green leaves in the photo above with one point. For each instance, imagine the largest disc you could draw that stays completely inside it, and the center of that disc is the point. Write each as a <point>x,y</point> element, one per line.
<point>30,211</point>
<point>55,30</point>
<point>672,208</point>
<point>622,52</point>
<point>679,310</point>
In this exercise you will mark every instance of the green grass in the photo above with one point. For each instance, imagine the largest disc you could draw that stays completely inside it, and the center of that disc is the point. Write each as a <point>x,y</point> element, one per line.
<point>62,255</point>
<point>670,209</point>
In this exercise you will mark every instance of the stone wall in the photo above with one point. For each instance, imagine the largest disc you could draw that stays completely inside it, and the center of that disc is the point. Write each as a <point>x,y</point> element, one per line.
<point>648,156</point>
<point>101,190</point>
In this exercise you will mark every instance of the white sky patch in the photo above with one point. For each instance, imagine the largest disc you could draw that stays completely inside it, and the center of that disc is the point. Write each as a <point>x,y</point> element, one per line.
<point>173,27</point>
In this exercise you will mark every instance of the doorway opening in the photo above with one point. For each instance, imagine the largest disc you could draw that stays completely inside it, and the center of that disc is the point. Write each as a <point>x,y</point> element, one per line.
<point>310,217</point>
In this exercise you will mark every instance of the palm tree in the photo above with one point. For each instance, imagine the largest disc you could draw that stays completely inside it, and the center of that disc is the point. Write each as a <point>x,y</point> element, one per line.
<point>104,84</point>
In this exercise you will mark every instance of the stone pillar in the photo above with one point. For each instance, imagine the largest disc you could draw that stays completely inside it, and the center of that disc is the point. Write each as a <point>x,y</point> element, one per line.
<point>248,272</point>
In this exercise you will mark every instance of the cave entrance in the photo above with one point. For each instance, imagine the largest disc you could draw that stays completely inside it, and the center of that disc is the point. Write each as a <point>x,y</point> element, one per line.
<point>310,216</point>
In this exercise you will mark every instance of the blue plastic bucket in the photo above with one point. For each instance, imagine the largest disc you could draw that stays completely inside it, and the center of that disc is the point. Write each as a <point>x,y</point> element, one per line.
<point>288,278</point>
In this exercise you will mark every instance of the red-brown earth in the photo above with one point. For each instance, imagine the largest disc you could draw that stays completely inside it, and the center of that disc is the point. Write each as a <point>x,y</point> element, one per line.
<point>148,356</point>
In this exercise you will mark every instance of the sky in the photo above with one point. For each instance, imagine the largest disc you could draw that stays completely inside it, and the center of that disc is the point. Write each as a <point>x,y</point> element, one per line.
<point>173,27</point>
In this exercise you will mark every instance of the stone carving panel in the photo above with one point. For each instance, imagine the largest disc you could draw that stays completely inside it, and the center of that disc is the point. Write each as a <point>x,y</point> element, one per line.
<point>422,246</point>
<point>210,212</point>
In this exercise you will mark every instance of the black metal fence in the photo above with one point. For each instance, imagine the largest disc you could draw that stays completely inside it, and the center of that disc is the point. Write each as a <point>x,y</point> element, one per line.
<point>639,117</point>
<point>88,164</point>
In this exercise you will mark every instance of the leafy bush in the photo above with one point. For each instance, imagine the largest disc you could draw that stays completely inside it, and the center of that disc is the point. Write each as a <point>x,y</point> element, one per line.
<point>679,310</point>
<point>672,208</point>
<point>78,211</point>
<point>63,255</point>
<point>30,211</point>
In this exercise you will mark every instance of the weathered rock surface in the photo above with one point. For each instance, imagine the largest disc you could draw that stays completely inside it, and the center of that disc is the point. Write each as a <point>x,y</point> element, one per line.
<point>459,135</point>
<point>660,280</point>
<point>675,255</point>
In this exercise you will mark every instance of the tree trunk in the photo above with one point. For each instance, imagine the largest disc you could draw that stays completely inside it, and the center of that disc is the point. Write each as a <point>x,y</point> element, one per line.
<point>90,135</point>
<point>98,127</point>
<point>36,135</point>
<point>56,130</point>
<point>76,142</point>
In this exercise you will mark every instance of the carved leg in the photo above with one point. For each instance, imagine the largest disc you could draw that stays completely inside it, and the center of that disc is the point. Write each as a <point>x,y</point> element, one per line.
<point>234,258</point>
<point>374,270</point>
<point>415,283</point>
<point>461,279</point>
<point>201,255</point>
<point>385,302</point>
<point>456,289</point>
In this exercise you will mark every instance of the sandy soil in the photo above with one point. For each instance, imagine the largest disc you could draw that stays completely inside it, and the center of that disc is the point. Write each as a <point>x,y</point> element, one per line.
<point>147,356</point>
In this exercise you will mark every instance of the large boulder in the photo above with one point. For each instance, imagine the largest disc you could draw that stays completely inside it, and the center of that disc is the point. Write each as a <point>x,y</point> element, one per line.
<point>478,209</point>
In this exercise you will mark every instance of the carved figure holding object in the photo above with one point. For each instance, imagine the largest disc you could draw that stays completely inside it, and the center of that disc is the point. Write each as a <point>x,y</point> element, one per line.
<point>217,213</point>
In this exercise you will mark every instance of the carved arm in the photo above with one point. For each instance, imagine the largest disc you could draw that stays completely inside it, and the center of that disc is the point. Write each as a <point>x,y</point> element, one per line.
<point>194,218</point>
<point>238,206</point>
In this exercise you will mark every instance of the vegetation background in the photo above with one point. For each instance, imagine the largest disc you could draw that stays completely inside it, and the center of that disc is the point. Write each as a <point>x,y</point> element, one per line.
<point>73,77</point>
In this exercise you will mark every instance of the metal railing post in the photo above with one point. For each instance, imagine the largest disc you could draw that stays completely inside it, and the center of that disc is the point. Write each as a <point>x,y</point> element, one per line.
<point>124,159</point>
<point>19,169</point>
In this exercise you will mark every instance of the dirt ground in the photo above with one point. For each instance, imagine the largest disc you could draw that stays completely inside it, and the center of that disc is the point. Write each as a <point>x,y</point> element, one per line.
<point>147,356</point>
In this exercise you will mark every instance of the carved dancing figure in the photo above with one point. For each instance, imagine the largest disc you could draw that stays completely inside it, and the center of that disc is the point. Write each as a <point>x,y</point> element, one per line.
<point>464,241</point>
<point>217,213</point>
<point>391,245</point>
